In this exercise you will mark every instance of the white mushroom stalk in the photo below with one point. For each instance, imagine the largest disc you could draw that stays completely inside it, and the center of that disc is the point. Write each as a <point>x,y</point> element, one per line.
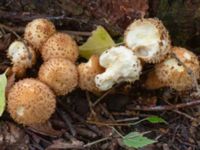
<point>149,39</point>
<point>121,64</point>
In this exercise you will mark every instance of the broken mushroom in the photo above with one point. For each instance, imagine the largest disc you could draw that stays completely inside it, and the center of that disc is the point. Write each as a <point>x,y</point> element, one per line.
<point>87,72</point>
<point>22,57</point>
<point>149,39</point>
<point>121,65</point>
<point>60,45</point>
<point>179,72</point>
<point>38,31</point>
<point>59,74</point>
<point>30,102</point>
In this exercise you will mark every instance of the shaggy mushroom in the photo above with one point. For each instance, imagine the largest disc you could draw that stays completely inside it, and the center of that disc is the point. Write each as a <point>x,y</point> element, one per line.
<point>87,72</point>
<point>59,74</point>
<point>121,65</point>
<point>38,31</point>
<point>178,75</point>
<point>22,57</point>
<point>30,102</point>
<point>149,39</point>
<point>60,45</point>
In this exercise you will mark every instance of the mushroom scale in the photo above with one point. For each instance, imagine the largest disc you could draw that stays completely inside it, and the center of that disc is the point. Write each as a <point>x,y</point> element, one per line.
<point>38,31</point>
<point>60,45</point>
<point>149,39</point>
<point>174,74</point>
<point>59,74</point>
<point>30,102</point>
<point>87,72</point>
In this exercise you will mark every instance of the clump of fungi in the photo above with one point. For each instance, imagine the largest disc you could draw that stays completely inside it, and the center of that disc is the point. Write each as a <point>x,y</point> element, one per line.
<point>32,101</point>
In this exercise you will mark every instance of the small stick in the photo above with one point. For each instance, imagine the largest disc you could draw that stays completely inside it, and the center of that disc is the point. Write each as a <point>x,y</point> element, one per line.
<point>167,107</point>
<point>10,30</point>
<point>182,113</point>
<point>102,97</point>
<point>67,120</point>
<point>96,142</point>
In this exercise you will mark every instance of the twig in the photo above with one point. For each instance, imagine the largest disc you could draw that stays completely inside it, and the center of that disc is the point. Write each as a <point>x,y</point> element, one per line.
<point>166,107</point>
<point>10,30</point>
<point>102,97</point>
<point>79,118</point>
<point>67,120</point>
<point>97,141</point>
<point>127,119</point>
<point>182,113</point>
<point>21,30</point>
<point>90,103</point>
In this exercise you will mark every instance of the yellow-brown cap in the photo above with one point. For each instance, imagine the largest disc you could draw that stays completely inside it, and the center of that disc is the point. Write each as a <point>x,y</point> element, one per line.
<point>87,72</point>
<point>38,31</point>
<point>149,39</point>
<point>60,45</point>
<point>59,74</point>
<point>152,82</point>
<point>30,102</point>
<point>176,75</point>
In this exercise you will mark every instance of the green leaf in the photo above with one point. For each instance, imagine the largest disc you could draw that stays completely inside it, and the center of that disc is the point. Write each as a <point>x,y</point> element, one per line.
<point>136,140</point>
<point>155,119</point>
<point>3,83</point>
<point>99,41</point>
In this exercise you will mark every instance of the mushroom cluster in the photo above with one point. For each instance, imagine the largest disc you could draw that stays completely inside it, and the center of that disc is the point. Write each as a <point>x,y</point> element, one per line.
<point>149,42</point>
<point>32,101</point>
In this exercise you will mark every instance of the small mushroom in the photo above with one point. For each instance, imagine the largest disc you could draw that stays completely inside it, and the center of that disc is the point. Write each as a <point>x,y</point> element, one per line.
<point>60,45</point>
<point>178,75</point>
<point>30,102</point>
<point>121,64</point>
<point>22,57</point>
<point>87,72</point>
<point>149,39</point>
<point>38,31</point>
<point>59,74</point>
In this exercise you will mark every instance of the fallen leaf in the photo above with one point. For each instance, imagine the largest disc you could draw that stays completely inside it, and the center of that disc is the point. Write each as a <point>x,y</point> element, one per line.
<point>136,140</point>
<point>3,83</point>
<point>99,41</point>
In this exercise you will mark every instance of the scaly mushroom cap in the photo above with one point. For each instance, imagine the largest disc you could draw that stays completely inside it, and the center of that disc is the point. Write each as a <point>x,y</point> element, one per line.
<point>38,31</point>
<point>59,74</point>
<point>60,45</point>
<point>152,82</point>
<point>149,39</point>
<point>22,56</point>
<point>121,64</point>
<point>174,74</point>
<point>30,102</point>
<point>87,72</point>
